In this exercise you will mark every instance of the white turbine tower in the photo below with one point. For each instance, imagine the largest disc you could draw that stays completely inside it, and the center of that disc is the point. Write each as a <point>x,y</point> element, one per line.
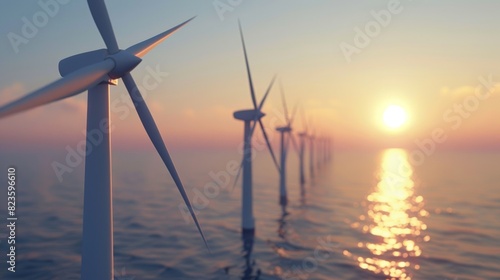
<point>95,71</point>
<point>285,137</point>
<point>251,117</point>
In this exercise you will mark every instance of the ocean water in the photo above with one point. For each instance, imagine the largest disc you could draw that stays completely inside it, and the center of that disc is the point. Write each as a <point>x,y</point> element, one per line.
<point>364,215</point>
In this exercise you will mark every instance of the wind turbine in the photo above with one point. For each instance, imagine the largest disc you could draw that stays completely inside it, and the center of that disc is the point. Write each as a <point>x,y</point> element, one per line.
<point>250,116</point>
<point>95,71</point>
<point>303,136</point>
<point>319,150</point>
<point>302,148</point>
<point>329,148</point>
<point>326,144</point>
<point>285,137</point>
<point>311,138</point>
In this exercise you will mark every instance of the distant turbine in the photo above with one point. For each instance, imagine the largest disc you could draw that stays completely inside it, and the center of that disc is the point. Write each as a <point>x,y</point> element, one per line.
<point>317,146</point>
<point>320,143</point>
<point>250,116</point>
<point>286,137</point>
<point>312,151</point>
<point>329,149</point>
<point>302,150</point>
<point>303,136</point>
<point>326,147</point>
<point>95,71</point>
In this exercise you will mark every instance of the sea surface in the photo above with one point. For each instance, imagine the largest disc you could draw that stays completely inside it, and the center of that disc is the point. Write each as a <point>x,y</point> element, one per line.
<point>384,214</point>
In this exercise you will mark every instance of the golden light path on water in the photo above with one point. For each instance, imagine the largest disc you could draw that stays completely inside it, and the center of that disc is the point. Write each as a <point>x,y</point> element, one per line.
<point>393,220</point>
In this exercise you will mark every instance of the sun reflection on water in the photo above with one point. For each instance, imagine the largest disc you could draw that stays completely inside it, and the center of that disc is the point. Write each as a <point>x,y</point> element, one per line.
<point>393,221</point>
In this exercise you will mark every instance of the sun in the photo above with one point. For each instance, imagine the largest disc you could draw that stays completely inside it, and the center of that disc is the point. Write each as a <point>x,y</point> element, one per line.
<point>394,117</point>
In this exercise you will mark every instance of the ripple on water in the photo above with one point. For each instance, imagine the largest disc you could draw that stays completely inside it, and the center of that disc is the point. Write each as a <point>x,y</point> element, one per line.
<point>152,241</point>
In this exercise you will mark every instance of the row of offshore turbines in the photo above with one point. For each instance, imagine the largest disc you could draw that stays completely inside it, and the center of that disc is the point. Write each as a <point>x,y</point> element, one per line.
<point>94,72</point>
<point>319,147</point>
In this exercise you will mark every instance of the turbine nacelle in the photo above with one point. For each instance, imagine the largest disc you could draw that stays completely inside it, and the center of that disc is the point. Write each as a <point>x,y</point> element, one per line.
<point>248,115</point>
<point>124,63</point>
<point>79,61</point>
<point>284,129</point>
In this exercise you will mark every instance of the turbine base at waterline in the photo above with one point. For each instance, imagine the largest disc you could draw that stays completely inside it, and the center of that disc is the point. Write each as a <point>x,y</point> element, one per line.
<point>284,133</point>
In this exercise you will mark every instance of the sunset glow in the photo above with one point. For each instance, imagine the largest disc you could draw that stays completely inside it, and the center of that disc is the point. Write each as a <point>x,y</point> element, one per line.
<point>371,91</point>
<point>394,117</point>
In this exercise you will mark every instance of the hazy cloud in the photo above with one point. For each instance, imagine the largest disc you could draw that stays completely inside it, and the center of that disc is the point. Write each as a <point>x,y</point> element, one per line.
<point>72,105</point>
<point>463,91</point>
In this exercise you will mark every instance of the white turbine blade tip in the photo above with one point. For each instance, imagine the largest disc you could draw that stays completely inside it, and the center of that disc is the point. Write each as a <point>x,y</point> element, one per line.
<point>146,46</point>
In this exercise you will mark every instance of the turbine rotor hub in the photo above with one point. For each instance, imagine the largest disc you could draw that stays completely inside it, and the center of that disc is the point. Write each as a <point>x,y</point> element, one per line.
<point>124,63</point>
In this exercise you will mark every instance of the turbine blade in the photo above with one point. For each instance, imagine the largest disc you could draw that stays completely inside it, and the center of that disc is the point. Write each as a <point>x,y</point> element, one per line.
<point>252,129</point>
<point>145,46</point>
<point>287,142</point>
<point>304,121</point>
<point>252,91</point>
<point>285,107</point>
<point>103,23</point>
<point>308,124</point>
<point>294,111</point>
<point>262,105</point>
<point>269,145</point>
<point>254,125</point>
<point>67,86</point>
<point>155,136</point>
<point>294,143</point>
<point>238,174</point>
<point>267,93</point>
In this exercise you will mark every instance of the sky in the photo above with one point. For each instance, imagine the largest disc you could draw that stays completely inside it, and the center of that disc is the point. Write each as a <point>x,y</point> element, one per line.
<point>343,62</point>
